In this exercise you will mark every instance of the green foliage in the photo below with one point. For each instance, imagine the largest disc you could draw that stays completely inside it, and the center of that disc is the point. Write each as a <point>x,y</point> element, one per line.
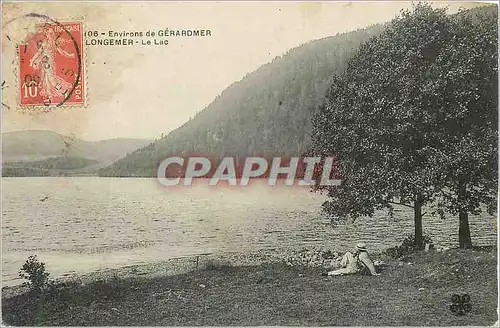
<point>414,112</point>
<point>35,273</point>
<point>468,112</point>
<point>409,246</point>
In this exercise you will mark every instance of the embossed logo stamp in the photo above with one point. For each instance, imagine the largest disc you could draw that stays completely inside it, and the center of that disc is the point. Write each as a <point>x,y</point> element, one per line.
<point>51,66</point>
<point>460,304</point>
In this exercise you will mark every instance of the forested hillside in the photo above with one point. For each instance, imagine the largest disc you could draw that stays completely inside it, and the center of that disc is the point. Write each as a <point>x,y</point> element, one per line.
<point>53,166</point>
<point>45,153</point>
<point>268,112</point>
<point>32,145</point>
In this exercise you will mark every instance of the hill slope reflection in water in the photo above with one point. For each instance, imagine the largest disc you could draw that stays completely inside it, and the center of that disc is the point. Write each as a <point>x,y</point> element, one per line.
<point>87,224</point>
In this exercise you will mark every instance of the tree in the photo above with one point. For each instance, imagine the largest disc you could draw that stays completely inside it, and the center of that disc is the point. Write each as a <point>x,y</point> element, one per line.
<point>387,121</point>
<point>468,68</point>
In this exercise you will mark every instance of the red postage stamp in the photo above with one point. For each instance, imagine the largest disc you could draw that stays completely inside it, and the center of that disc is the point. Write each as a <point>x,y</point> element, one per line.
<point>51,66</point>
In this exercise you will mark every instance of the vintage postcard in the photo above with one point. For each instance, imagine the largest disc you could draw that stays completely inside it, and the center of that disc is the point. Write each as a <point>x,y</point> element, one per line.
<point>249,163</point>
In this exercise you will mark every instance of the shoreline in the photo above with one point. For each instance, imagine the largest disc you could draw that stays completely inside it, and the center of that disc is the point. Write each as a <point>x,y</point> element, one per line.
<point>170,267</point>
<point>304,257</point>
<point>415,290</point>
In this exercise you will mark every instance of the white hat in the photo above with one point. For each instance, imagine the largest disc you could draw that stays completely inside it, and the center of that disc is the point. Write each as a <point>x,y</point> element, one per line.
<point>361,247</point>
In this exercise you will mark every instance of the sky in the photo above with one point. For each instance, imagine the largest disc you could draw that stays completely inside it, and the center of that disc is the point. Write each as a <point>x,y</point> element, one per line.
<point>144,91</point>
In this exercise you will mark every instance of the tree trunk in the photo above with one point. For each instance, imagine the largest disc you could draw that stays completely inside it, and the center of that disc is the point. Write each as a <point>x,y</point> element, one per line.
<point>417,210</point>
<point>464,239</point>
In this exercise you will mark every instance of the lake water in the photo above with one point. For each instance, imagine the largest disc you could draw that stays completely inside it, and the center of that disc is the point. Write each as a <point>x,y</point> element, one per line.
<point>89,223</point>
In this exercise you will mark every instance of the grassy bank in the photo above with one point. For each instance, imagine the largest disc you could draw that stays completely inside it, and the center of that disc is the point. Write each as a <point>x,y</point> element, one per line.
<point>416,291</point>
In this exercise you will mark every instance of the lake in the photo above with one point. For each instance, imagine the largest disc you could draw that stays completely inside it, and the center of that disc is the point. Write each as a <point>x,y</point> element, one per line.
<point>82,224</point>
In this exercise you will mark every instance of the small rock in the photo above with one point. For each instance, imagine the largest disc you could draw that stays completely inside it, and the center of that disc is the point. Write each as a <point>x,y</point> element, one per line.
<point>202,285</point>
<point>421,289</point>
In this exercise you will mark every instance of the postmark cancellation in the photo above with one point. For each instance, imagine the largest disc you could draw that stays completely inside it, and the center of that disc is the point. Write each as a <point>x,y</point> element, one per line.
<point>51,66</point>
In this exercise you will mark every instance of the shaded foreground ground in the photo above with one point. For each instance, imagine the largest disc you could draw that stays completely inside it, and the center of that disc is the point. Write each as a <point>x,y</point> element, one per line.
<point>416,291</point>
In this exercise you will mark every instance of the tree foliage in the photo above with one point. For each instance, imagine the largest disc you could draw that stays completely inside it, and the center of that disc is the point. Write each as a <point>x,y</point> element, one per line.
<point>34,271</point>
<point>414,115</point>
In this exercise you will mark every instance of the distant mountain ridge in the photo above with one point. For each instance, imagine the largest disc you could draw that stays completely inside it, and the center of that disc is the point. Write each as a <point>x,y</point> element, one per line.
<point>35,150</point>
<point>266,113</point>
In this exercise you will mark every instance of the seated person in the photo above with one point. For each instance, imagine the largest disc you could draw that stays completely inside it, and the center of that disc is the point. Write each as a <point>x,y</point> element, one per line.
<point>354,263</point>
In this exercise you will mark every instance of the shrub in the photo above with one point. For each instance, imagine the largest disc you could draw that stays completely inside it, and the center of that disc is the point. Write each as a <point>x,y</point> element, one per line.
<point>35,273</point>
<point>408,246</point>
